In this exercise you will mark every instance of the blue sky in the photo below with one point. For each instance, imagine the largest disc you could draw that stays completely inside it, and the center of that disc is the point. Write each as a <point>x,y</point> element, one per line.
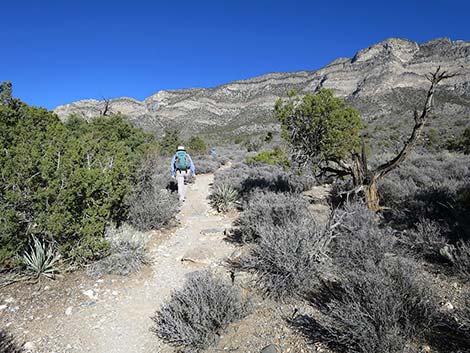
<point>56,52</point>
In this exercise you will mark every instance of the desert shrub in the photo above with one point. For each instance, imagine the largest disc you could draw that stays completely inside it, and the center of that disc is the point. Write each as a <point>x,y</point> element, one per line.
<point>461,143</point>
<point>383,308</point>
<point>206,164</point>
<point>153,172</point>
<point>223,198</point>
<point>170,142</point>
<point>463,314</point>
<point>153,205</point>
<point>459,256</point>
<point>287,259</point>
<point>253,144</point>
<point>248,180</point>
<point>233,176</point>
<point>425,240</point>
<point>126,257</point>
<point>196,145</point>
<point>270,209</point>
<point>432,186</point>
<point>152,208</point>
<point>64,181</point>
<point>270,157</point>
<point>359,238</point>
<point>196,314</point>
<point>8,344</point>
<point>274,178</point>
<point>380,301</point>
<point>127,253</point>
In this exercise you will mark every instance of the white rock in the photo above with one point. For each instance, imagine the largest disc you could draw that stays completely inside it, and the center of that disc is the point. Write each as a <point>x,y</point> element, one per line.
<point>2,307</point>
<point>448,306</point>
<point>114,293</point>
<point>68,311</point>
<point>90,294</point>
<point>29,347</point>
<point>9,300</point>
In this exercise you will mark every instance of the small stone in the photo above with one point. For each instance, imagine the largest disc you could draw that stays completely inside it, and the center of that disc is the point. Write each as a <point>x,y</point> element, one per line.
<point>47,288</point>
<point>2,307</point>
<point>114,293</point>
<point>9,300</point>
<point>270,349</point>
<point>448,306</point>
<point>89,293</point>
<point>68,311</point>
<point>29,347</point>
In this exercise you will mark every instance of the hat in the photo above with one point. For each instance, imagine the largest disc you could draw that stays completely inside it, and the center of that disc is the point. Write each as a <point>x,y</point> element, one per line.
<point>181,148</point>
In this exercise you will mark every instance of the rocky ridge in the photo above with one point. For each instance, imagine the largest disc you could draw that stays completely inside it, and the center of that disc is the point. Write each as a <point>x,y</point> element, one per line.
<point>384,81</point>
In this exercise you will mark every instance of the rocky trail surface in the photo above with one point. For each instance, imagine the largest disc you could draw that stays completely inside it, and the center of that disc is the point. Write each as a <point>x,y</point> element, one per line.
<point>113,315</point>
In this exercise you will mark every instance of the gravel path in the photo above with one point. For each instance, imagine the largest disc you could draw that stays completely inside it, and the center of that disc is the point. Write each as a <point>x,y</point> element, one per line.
<point>118,321</point>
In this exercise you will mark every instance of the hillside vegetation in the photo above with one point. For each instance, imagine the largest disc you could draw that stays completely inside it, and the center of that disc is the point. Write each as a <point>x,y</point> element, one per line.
<point>64,182</point>
<point>390,281</point>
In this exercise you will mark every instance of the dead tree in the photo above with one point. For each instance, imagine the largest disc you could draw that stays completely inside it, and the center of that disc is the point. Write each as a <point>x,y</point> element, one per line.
<point>365,180</point>
<point>106,107</point>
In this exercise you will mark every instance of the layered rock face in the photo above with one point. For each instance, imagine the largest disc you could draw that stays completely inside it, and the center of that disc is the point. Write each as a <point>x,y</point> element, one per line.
<point>385,82</point>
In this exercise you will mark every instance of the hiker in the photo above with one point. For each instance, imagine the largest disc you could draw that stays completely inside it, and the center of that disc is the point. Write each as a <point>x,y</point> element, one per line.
<point>182,167</point>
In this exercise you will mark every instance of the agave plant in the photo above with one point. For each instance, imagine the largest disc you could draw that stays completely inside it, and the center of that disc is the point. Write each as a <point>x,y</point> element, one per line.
<point>41,260</point>
<point>224,197</point>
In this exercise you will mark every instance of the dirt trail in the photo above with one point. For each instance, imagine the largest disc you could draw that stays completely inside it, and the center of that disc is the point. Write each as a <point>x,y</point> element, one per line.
<point>119,321</point>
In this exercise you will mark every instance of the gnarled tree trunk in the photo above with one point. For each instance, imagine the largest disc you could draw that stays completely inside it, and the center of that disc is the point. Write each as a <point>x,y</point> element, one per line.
<point>366,181</point>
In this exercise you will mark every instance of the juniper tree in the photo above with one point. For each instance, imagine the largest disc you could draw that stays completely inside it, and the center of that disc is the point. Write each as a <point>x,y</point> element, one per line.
<point>323,132</point>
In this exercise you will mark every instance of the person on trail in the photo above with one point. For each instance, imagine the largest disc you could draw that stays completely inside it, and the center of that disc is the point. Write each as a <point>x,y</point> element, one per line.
<point>182,167</point>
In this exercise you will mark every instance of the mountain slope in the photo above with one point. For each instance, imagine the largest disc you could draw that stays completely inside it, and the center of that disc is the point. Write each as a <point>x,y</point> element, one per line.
<point>384,81</point>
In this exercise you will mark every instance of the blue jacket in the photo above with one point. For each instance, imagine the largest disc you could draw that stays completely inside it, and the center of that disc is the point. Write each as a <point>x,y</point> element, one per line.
<point>191,165</point>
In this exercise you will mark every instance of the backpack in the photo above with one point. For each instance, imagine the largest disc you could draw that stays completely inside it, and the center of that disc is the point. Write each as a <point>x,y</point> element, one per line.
<point>181,161</point>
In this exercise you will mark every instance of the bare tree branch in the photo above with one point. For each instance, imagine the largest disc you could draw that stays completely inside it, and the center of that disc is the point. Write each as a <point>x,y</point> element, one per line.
<point>420,119</point>
<point>106,107</point>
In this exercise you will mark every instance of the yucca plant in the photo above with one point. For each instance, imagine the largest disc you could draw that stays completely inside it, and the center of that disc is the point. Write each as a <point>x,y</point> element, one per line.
<point>224,197</point>
<point>41,260</point>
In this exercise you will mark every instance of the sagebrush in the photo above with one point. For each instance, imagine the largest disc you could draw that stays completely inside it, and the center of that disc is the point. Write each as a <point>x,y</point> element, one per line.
<point>152,208</point>
<point>376,300</point>
<point>270,209</point>
<point>247,180</point>
<point>287,259</point>
<point>194,316</point>
<point>385,307</point>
